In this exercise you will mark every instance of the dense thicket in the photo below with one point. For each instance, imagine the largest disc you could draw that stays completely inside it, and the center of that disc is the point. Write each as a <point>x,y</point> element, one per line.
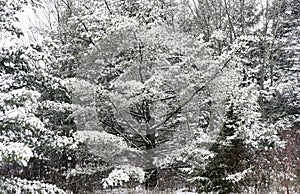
<point>163,94</point>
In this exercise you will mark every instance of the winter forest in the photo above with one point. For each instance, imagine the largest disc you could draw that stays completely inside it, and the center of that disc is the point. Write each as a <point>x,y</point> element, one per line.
<point>150,96</point>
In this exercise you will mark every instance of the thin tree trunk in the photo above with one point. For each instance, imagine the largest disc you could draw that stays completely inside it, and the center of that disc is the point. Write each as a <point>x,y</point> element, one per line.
<point>243,16</point>
<point>232,34</point>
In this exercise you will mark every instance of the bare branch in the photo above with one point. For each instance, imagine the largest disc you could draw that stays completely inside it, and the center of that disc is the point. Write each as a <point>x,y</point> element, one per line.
<point>107,6</point>
<point>146,140</point>
<point>177,110</point>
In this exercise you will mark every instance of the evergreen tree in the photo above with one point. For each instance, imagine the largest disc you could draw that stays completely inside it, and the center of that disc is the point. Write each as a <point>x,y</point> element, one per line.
<point>24,137</point>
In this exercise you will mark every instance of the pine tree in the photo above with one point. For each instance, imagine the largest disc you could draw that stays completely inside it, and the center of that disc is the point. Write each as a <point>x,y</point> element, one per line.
<point>283,108</point>
<point>24,136</point>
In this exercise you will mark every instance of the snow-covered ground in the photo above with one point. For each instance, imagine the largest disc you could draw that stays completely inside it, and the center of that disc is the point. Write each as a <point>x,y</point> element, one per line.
<point>143,191</point>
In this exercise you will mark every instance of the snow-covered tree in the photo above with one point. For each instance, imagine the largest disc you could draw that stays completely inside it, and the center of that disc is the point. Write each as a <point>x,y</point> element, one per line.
<point>139,76</point>
<point>155,92</point>
<point>30,147</point>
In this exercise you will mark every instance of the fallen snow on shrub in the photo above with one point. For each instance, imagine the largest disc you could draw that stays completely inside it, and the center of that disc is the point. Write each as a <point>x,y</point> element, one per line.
<point>15,152</point>
<point>20,186</point>
<point>123,174</point>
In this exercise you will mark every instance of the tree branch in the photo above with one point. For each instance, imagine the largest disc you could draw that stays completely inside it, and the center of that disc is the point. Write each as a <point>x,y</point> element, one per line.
<point>107,6</point>
<point>146,140</point>
<point>192,96</point>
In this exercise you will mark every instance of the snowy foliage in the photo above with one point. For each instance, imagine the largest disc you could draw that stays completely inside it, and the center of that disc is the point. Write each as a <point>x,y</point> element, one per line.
<point>235,178</point>
<point>123,174</point>
<point>102,143</point>
<point>19,186</point>
<point>198,150</point>
<point>15,152</point>
<point>8,14</point>
<point>121,92</point>
<point>249,126</point>
<point>18,101</point>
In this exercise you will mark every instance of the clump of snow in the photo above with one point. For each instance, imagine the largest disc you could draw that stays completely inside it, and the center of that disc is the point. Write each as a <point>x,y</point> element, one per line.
<point>102,138</point>
<point>35,122</point>
<point>123,174</point>
<point>19,186</point>
<point>236,177</point>
<point>17,152</point>
<point>64,141</point>
<point>218,35</point>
